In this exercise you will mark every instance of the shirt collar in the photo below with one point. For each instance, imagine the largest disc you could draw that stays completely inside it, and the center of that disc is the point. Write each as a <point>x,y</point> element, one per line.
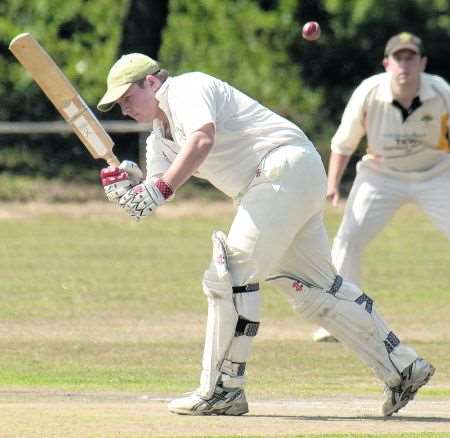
<point>161,96</point>
<point>385,93</point>
<point>161,93</point>
<point>425,89</point>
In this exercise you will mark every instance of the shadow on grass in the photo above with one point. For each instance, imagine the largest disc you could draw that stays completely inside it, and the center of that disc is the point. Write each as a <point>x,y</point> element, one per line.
<point>356,418</point>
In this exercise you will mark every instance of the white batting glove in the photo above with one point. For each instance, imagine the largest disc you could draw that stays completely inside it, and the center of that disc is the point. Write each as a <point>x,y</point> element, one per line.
<point>141,200</point>
<point>118,180</point>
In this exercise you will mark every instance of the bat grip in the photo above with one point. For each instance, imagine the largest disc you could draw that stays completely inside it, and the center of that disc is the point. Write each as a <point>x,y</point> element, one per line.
<point>112,160</point>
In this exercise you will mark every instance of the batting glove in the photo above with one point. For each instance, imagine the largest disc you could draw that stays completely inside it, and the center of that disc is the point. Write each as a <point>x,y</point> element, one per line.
<point>143,199</point>
<point>118,180</point>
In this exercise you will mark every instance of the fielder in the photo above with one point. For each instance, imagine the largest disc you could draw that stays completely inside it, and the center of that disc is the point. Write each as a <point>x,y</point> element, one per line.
<point>404,114</point>
<point>204,127</point>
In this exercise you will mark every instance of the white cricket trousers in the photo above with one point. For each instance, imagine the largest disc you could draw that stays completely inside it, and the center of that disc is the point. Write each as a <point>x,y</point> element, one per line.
<point>279,232</point>
<point>279,222</point>
<point>373,200</point>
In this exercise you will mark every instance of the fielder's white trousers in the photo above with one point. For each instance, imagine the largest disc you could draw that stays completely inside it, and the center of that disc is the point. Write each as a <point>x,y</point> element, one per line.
<point>373,200</point>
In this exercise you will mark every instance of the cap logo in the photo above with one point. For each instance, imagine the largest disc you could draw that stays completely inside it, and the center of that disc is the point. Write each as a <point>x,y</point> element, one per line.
<point>405,37</point>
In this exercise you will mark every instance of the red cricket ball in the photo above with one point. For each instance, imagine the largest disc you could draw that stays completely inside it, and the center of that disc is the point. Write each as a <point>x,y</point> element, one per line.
<point>311,31</point>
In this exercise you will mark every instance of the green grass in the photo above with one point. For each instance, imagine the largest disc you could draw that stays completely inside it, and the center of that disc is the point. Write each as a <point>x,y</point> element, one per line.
<point>107,305</point>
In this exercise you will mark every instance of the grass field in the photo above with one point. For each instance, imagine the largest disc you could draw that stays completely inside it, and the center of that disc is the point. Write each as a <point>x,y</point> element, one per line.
<point>102,319</point>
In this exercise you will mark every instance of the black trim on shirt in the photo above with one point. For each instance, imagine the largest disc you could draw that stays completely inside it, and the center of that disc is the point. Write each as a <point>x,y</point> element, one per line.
<point>406,112</point>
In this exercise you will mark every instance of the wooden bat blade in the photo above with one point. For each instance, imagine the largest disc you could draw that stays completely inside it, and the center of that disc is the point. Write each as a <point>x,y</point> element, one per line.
<point>64,96</point>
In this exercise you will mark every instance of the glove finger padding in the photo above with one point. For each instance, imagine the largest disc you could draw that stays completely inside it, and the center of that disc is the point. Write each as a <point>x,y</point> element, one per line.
<point>142,199</point>
<point>115,191</point>
<point>111,174</point>
<point>115,182</point>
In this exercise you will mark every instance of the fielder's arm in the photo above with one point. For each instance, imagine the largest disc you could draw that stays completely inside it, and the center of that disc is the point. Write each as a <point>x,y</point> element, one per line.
<point>336,167</point>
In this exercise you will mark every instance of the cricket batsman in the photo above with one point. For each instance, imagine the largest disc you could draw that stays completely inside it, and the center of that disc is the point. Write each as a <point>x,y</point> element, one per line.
<point>206,128</point>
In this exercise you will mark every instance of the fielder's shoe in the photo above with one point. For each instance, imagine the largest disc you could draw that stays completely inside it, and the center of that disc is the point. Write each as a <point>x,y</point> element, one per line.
<point>323,335</point>
<point>413,378</point>
<point>224,401</point>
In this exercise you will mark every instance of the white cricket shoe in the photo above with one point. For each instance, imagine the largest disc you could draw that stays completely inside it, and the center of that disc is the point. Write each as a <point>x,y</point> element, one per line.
<point>323,335</point>
<point>224,401</point>
<point>413,378</point>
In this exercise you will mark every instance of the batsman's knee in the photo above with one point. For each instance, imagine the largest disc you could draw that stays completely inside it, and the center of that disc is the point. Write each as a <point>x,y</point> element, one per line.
<point>313,303</point>
<point>342,301</point>
<point>217,281</point>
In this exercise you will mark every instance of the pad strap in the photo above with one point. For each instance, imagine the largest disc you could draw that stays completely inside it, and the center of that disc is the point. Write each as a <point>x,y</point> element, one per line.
<point>245,327</point>
<point>234,369</point>
<point>252,287</point>
<point>335,286</point>
<point>391,342</point>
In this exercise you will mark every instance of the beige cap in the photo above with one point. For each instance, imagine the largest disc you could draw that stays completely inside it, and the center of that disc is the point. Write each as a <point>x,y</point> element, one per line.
<point>403,41</point>
<point>127,70</point>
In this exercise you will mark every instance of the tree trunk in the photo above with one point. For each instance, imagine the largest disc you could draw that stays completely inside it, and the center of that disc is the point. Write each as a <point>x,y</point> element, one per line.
<point>143,25</point>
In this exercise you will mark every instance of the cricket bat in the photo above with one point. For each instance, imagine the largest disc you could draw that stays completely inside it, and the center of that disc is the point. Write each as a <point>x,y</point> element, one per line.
<point>64,97</point>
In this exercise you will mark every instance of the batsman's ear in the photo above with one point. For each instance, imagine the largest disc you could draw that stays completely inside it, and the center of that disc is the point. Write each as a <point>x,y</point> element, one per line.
<point>154,82</point>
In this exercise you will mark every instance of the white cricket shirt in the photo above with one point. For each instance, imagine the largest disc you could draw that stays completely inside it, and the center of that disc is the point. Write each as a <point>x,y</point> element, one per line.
<point>417,143</point>
<point>245,130</point>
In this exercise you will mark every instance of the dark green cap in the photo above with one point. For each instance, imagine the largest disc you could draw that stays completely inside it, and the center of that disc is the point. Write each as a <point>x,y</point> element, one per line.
<point>403,41</point>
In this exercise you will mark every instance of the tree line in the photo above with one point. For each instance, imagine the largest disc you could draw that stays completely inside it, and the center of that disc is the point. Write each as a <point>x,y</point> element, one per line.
<point>253,44</point>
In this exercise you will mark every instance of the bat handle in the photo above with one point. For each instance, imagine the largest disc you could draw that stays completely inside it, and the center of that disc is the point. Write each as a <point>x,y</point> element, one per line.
<point>112,160</point>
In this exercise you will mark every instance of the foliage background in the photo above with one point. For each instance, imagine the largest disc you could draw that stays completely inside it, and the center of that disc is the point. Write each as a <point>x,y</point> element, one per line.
<point>253,44</point>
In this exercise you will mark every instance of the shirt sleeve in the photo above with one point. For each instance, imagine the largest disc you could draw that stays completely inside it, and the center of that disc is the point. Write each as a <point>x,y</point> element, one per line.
<point>351,129</point>
<point>157,161</point>
<point>193,103</point>
<point>444,91</point>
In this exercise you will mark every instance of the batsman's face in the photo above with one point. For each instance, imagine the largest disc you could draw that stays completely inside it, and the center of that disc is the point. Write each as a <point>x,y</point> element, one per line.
<point>405,66</point>
<point>139,102</point>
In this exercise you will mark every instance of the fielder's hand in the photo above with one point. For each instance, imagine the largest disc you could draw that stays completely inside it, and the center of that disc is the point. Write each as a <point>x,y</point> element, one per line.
<point>334,197</point>
<point>141,200</point>
<point>118,180</point>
